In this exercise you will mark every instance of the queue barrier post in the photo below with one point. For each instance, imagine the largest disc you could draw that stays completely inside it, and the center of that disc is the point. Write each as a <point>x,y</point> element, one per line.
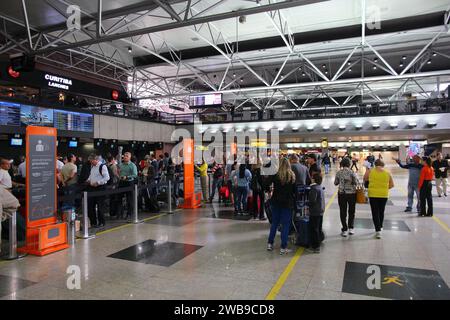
<point>169,196</point>
<point>70,217</point>
<point>13,255</point>
<point>85,234</point>
<point>135,206</point>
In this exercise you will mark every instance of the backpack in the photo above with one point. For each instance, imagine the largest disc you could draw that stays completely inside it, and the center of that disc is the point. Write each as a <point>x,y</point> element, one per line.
<point>113,179</point>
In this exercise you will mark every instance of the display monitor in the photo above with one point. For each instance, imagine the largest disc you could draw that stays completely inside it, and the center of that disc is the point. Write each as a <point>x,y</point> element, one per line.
<point>73,144</point>
<point>36,116</point>
<point>9,113</point>
<point>16,142</point>
<point>205,100</point>
<point>73,121</point>
<point>413,149</point>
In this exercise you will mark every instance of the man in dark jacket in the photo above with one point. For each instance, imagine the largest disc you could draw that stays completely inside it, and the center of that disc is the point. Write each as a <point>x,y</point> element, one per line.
<point>316,199</point>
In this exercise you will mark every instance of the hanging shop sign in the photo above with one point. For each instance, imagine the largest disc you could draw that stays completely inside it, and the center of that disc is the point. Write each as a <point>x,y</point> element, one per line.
<point>44,79</point>
<point>58,82</point>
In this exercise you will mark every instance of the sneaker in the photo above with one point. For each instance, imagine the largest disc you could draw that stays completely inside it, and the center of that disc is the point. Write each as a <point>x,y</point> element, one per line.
<point>344,234</point>
<point>317,250</point>
<point>284,251</point>
<point>269,247</point>
<point>408,210</point>
<point>351,232</point>
<point>445,195</point>
<point>440,196</point>
<point>263,219</point>
<point>378,234</point>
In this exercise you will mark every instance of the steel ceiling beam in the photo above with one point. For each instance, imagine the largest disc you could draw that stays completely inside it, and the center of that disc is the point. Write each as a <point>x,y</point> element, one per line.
<point>322,83</point>
<point>185,23</point>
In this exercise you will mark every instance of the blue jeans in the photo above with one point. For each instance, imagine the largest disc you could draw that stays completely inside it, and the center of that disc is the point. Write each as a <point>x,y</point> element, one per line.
<point>327,168</point>
<point>411,190</point>
<point>283,216</point>
<point>216,184</point>
<point>241,198</point>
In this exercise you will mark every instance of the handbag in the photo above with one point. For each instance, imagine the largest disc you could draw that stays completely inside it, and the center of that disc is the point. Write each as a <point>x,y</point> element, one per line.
<point>361,194</point>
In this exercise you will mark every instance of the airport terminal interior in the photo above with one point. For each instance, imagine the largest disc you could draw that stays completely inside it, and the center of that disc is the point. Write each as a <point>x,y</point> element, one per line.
<point>224,150</point>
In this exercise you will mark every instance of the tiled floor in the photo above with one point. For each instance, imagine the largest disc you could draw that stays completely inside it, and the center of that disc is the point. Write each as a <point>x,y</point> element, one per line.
<point>206,254</point>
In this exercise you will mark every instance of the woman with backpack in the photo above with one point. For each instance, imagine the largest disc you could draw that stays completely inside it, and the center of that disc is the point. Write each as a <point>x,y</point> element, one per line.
<point>347,181</point>
<point>281,204</point>
<point>241,178</point>
<point>258,191</point>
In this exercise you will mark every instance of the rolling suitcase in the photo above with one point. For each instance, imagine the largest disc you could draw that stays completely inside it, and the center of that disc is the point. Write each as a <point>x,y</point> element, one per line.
<point>302,236</point>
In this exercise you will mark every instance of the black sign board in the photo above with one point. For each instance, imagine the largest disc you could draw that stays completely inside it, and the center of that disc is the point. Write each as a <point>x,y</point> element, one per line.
<point>41,180</point>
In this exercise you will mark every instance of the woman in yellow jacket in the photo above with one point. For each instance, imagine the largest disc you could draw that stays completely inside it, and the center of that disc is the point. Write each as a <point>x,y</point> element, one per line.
<point>380,181</point>
<point>203,169</point>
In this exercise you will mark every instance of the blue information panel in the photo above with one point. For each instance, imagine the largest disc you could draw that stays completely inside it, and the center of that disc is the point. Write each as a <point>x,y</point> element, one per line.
<point>73,121</point>
<point>9,114</point>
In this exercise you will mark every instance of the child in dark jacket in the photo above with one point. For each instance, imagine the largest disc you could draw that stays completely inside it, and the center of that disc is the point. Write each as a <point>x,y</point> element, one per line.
<point>316,200</point>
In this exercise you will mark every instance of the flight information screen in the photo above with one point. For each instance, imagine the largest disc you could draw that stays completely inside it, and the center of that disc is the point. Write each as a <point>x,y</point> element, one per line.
<point>73,121</point>
<point>9,114</point>
<point>207,100</point>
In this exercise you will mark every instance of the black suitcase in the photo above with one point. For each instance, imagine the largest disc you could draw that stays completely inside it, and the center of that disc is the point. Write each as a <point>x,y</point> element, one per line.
<point>302,236</point>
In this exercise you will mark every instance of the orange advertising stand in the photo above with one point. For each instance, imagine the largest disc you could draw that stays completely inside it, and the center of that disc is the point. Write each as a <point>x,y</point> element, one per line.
<point>192,200</point>
<point>44,234</point>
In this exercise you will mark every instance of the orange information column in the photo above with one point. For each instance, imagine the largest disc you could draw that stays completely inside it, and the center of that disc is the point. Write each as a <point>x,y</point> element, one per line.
<point>44,234</point>
<point>192,200</point>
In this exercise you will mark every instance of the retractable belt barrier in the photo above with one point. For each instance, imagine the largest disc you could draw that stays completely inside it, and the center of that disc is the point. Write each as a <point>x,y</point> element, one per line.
<point>85,195</point>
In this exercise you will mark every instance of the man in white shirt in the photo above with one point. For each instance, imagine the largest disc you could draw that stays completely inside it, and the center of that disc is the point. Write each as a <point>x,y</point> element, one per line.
<point>23,169</point>
<point>98,178</point>
<point>59,165</point>
<point>5,178</point>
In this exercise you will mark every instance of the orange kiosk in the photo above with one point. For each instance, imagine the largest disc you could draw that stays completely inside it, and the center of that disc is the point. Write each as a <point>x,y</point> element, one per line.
<point>44,234</point>
<point>192,200</point>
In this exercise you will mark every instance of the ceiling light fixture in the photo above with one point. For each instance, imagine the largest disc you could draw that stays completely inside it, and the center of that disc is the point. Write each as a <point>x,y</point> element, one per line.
<point>342,127</point>
<point>412,124</point>
<point>401,64</point>
<point>394,125</point>
<point>130,49</point>
<point>375,126</point>
<point>434,54</point>
<point>404,57</point>
<point>431,124</point>
<point>429,61</point>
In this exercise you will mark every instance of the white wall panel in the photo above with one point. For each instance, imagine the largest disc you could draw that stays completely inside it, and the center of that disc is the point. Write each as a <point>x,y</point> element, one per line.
<point>108,127</point>
<point>126,129</point>
<point>141,132</point>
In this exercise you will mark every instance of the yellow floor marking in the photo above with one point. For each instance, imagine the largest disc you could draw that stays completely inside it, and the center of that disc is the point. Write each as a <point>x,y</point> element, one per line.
<point>287,271</point>
<point>282,279</point>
